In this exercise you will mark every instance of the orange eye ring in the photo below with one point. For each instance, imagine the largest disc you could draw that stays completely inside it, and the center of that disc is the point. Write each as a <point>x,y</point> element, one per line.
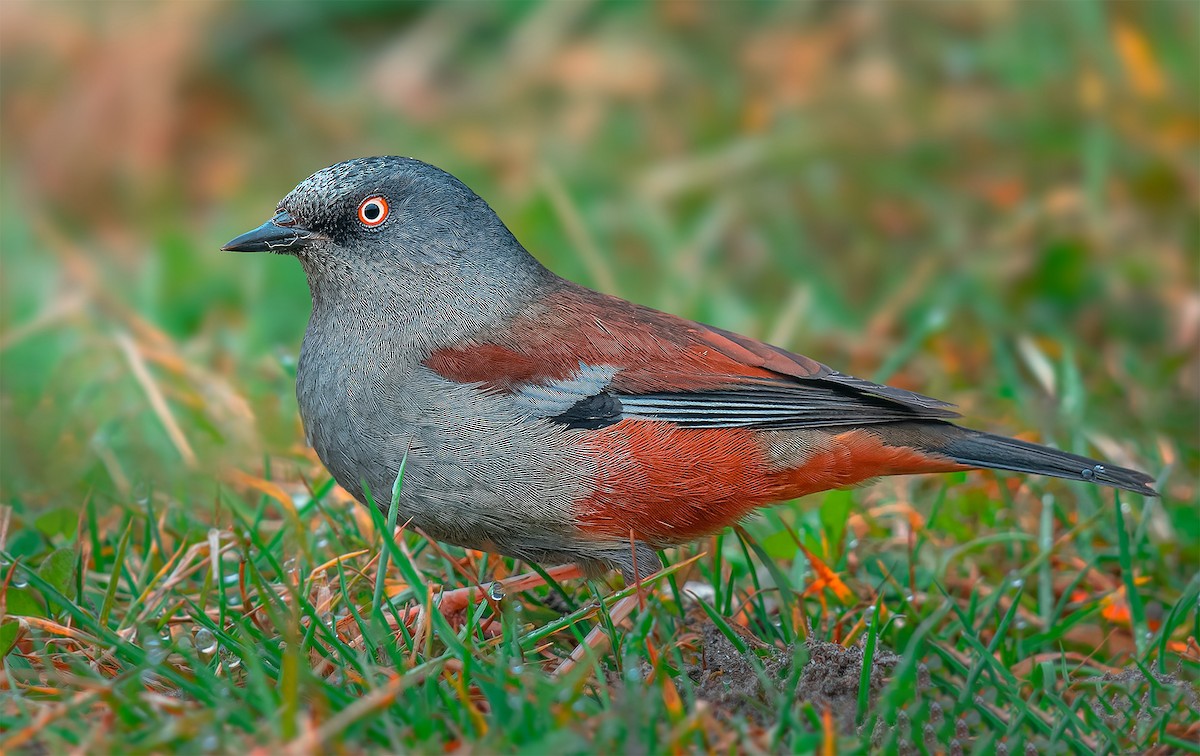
<point>372,211</point>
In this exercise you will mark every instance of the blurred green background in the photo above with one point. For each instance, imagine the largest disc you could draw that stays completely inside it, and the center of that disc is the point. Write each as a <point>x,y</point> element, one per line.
<point>991,202</point>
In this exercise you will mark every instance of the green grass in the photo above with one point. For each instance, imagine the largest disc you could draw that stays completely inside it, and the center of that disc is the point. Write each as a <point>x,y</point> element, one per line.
<point>993,205</point>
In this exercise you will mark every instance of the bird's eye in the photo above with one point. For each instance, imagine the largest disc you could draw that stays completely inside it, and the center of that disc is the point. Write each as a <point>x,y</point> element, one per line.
<point>372,211</point>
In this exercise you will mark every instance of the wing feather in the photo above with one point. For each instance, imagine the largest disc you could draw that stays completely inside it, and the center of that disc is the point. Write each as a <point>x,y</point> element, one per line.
<point>586,359</point>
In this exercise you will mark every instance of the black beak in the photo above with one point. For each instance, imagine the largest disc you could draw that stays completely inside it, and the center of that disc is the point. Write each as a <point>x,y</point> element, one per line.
<point>280,234</point>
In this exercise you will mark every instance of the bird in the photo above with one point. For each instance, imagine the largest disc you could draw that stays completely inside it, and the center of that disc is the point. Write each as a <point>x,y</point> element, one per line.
<point>545,421</point>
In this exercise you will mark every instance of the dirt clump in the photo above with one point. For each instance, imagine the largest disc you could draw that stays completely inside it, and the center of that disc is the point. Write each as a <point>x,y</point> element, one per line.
<point>1131,686</point>
<point>725,677</point>
<point>831,678</point>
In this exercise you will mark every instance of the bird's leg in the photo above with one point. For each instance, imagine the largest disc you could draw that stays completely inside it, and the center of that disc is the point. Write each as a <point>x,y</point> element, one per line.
<point>639,560</point>
<point>637,577</point>
<point>452,602</point>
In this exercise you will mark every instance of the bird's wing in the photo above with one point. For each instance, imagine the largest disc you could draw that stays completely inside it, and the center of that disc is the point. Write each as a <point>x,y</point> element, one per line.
<point>588,360</point>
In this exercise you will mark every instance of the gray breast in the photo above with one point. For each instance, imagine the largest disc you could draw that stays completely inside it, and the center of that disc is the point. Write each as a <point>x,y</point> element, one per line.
<point>481,471</point>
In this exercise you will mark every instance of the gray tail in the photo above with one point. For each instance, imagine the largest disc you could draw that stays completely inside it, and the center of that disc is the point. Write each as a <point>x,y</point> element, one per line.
<point>980,449</point>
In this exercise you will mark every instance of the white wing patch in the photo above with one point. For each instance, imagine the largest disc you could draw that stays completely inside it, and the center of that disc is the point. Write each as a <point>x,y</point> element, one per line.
<point>556,397</point>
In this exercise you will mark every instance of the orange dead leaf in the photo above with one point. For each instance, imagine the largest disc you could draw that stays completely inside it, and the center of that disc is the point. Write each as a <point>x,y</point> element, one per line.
<point>670,694</point>
<point>825,578</point>
<point>1115,606</point>
<point>1189,650</point>
<point>266,487</point>
<point>42,689</point>
<point>335,561</point>
<point>1003,193</point>
<point>54,628</point>
<point>904,509</point>
<point>860,626</point>
<point>1138,58</point>
<point>456,681</point>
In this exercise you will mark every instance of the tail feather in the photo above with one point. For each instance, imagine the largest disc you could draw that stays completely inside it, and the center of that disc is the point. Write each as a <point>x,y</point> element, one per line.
<point>1002,453</point>
<point>979,449</point>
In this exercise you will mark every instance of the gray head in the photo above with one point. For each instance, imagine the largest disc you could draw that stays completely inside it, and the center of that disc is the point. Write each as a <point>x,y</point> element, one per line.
<point>374,223</point>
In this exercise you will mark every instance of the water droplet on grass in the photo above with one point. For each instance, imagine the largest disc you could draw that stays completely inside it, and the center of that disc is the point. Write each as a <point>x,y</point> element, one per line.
<point>496,591</point>
<point>206,642</point>
<point>156,652</point>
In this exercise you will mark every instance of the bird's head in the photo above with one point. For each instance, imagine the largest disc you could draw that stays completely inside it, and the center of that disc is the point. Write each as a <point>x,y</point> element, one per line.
<point>373,211</point>
<point>396,233</point>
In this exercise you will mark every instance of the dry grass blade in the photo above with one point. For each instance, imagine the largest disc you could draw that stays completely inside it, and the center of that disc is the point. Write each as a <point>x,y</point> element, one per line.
<point>597,639</point>
<point>47,716</point>
<point>55,313</point>
<point>155,396</point>
<point>584,243</point>
<point>316,741</point>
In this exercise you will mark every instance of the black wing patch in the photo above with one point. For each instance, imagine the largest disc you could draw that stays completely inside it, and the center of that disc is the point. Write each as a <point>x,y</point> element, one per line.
<point>592,412</point>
